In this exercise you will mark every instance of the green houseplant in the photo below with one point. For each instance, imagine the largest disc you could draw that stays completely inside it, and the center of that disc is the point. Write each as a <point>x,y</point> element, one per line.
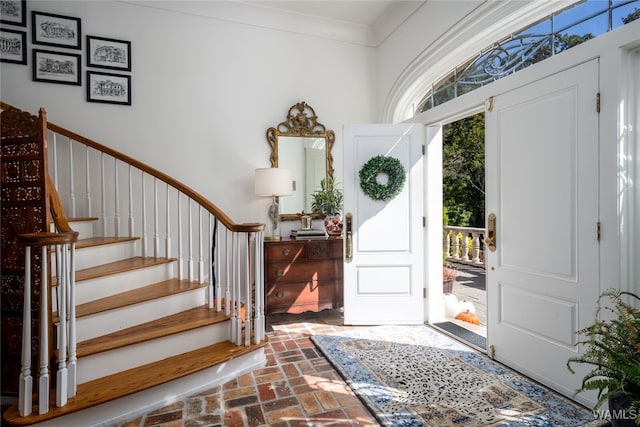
<point>613,351</point>
<point>328,202</point>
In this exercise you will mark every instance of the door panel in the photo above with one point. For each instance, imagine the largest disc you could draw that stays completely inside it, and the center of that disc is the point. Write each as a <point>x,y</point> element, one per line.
<point>384,280</point>
<point>542,184</point>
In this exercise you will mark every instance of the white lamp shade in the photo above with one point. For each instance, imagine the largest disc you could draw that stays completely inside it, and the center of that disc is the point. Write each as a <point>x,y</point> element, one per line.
<point>273,182</point>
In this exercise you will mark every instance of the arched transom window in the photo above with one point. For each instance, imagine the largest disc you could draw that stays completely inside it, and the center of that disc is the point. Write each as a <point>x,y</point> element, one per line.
<point>547,37</point>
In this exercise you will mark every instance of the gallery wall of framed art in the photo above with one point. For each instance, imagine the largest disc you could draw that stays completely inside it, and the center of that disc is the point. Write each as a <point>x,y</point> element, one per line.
<point>57,49</point>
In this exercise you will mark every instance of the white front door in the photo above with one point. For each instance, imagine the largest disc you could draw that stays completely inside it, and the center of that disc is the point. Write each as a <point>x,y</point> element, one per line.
<point>542,186</point>
<point>383,271</point>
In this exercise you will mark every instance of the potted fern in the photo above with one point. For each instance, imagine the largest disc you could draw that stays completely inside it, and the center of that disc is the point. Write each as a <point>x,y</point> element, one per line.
<point>613,351</point>
<point>328,202</point>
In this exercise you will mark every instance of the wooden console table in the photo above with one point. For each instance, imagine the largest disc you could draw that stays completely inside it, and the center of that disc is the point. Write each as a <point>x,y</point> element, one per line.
<point>303,275</point>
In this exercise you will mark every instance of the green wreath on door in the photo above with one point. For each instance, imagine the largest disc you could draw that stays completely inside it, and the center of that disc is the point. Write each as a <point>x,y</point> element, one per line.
<point>386,165</point>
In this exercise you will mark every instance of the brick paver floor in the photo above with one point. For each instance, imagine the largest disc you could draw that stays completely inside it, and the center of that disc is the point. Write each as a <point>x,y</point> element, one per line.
<point>297,387</point>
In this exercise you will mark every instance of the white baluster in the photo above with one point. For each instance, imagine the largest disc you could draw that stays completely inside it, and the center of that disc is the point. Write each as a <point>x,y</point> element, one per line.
<point>63,283</point>
<point>475,251</point>
<point>25,393</point>
<point>464,240</point>
<point>167,240</point>
<point>73,358</point>
<point>200,248</point>
<point>190,240</point>
<point>232,302</point>
<point>446,242</point>
<point>87,180</point>
<point>131,217</point>
<point>249,293</point>
<point>72,192</point>
<point>144,218</point>
<point>210,294</point>
<point>455,245</point>
<point>103,184</point>
<point>55,160</point>
<point>180,255</point>
<point>156,235</point>
<point>259,323</point>
<point>43,373</point>
<point>116,192</point>
<point>228,264</point>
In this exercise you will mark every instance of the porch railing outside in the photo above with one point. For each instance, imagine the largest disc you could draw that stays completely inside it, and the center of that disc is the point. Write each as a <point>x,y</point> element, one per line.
<point>463,245</point>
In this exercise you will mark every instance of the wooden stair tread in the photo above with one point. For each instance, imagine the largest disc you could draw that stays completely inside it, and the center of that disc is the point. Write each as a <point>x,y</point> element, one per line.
<point>124,383</point>
<point>83,219</point>
<point>135,296</point>
<point>90,242</point>
<point>99,241</point>
<point>173,324</point>
<point>119,267</point>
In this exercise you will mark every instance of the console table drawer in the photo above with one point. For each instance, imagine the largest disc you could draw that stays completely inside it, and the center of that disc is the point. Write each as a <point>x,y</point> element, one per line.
<point>301,297</point>
<point>301,271</point>
<point>324,249</point>
<point>289,251</point>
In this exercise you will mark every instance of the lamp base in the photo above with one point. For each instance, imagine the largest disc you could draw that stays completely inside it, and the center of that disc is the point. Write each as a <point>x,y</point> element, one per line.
<point>272,238</point>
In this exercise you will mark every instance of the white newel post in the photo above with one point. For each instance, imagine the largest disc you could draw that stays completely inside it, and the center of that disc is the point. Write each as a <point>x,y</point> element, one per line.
<point>25,404</point>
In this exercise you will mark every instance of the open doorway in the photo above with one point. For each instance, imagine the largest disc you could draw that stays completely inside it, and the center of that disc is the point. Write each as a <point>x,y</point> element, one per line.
<point>463,193</point>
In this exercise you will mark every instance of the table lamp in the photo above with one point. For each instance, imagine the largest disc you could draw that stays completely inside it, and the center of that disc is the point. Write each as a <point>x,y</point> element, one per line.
<point>273,182</point>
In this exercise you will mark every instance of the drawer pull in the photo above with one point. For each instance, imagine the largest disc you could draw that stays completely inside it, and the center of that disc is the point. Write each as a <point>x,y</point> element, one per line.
<point>279,294</point>
<point>286,252</point>
<point>279,273</point>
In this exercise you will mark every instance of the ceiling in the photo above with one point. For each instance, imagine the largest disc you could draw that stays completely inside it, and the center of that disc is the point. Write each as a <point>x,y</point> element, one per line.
<point>375,20</point>
<point>366,22</point>
<point>360,12</point>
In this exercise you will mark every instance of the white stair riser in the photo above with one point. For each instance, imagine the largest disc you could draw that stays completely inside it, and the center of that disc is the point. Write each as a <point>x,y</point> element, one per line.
<point>102,254</point>
<point>121,359</point>
<point>125,317</point>
<point>84,228</point>
<point>101,287</point>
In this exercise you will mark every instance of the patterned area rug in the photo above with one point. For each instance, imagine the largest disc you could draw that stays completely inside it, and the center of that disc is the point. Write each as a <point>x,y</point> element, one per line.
<point>415,376</point>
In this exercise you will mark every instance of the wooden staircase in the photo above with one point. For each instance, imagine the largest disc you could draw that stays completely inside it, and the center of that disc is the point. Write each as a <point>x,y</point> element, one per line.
<point>145,334</point>
<point>139,327</point>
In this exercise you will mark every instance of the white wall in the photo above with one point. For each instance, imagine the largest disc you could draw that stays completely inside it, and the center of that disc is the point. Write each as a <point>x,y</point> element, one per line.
<point>204,92</point>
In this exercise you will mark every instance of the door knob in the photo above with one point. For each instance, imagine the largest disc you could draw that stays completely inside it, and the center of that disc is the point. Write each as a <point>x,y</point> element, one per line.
<point>349,237</point>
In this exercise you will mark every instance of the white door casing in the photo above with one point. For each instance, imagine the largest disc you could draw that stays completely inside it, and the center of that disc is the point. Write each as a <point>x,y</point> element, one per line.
<point>383,282</point>
<point>542,185</point>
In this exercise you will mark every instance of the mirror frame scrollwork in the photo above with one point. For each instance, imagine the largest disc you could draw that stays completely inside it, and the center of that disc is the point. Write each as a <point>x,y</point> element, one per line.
<point>302,121</point>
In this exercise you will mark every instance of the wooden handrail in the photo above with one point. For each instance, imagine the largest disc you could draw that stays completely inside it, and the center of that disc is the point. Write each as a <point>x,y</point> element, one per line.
<point>205,203</point>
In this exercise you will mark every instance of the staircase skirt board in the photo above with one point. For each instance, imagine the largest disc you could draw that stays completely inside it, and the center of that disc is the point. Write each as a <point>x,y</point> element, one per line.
<point>105,322</point>
<point>101,410</point>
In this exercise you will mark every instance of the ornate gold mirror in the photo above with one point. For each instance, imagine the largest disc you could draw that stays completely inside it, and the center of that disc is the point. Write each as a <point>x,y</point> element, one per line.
<point>302,145</point>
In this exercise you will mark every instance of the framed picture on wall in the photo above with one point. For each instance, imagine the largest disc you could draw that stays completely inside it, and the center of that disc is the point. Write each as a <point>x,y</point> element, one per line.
<point>13,46</point>
<point>108,88</point>
<point>55,30</point>
<point>56,67</point>
<point>14,12</point>
<point>108,53</point>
